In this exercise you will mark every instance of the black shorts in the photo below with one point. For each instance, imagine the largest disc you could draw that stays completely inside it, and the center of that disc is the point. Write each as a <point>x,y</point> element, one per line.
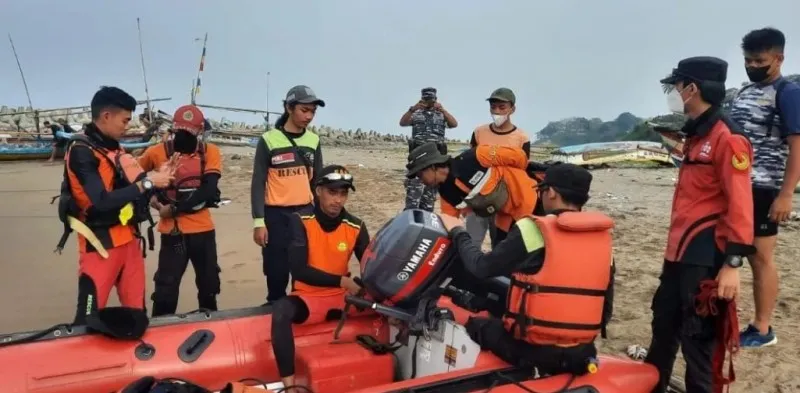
<point>762,201</point>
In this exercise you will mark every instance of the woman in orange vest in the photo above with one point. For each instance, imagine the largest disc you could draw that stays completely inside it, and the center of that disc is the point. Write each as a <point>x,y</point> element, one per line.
<point>287,159</point>
<point>560,295</point>
<point>319,254</point>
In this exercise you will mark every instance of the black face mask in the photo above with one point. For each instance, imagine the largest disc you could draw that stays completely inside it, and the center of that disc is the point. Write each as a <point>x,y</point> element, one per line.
<point>184,142</point>
<point>757,74</point>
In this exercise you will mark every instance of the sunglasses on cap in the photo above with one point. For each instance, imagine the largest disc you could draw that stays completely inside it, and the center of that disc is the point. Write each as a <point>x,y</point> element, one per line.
<point>338,176</point>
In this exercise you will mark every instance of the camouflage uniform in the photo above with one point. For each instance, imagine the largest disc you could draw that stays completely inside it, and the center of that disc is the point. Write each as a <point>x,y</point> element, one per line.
<point>427,125</point>
<point>754,109</point>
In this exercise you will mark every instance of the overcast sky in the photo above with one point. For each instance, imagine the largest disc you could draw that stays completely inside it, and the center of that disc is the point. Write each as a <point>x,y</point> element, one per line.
<point>369,58</point>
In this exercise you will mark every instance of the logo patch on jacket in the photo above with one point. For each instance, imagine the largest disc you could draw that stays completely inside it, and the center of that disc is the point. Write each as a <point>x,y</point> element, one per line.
<point>282,158</point>
<point>740,161</point>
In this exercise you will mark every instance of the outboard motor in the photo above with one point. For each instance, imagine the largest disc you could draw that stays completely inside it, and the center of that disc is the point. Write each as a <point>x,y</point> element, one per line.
<point>408,260</point>
<point>404,272</point>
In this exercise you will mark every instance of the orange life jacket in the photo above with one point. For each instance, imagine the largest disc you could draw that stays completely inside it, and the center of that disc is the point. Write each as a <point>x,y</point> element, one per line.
<point>117,169</point>
<point>189,173</point>
<point>328,251</point>
<point>562,304</point>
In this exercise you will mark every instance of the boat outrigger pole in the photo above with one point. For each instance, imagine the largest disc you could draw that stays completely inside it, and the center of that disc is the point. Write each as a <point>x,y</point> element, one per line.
<point>196,83</point>
<point>79,109</point>
<point>24,83</point>
<point>144,73</point>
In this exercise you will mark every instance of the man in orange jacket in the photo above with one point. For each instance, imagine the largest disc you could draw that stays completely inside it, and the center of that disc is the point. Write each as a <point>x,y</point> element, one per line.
<point>319,255</point>
<point>487,179</point>
<point>104,198</point>
<point>553,327</point>
<point>711,227</point>
<point>187,229</point>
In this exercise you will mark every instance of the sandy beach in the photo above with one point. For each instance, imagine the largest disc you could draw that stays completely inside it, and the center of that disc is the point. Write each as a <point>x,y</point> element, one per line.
<point>40,286</point>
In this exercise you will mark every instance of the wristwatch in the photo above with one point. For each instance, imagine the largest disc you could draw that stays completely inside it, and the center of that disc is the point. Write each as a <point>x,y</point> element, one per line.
<point>147,184</point>
<point>734,261</point>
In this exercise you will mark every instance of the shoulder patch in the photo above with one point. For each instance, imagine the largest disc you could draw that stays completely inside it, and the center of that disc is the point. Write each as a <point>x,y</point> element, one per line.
<point>740,161</point>
<point>740,152</point>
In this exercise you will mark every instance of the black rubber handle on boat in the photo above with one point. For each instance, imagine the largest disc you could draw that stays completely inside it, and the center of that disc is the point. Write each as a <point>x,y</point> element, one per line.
<point>360,302</point>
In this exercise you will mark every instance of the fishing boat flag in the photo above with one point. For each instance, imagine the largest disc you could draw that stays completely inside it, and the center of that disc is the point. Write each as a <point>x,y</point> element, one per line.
<point>202,65</point>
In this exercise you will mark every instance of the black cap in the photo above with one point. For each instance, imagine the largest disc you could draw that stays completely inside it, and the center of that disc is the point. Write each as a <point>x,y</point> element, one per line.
<point>700,68</point>
<point>424,156</point>
<point>503,94</point>
<point>302,94</point>
<point>567,178</point>
<point>335,176</point>
<point>429,93</point>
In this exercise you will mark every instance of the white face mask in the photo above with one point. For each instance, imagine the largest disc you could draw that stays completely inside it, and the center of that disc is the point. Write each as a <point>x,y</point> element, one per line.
<point>499,120</point>
<point>675,102</point>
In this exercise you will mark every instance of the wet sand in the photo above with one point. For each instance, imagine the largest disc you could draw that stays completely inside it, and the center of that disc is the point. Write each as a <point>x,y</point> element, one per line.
<point>39,286</point>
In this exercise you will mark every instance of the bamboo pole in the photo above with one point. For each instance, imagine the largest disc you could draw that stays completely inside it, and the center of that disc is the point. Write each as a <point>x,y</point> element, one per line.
<point>144,72</point>
<point>25,83</point>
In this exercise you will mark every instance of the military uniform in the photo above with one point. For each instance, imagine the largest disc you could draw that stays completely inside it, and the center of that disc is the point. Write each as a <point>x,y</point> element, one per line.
<point>768,115</point>
<point>427,125</point>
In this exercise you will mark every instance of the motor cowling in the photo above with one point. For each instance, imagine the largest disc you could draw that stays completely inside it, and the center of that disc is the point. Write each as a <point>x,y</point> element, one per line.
<point>407,260</point>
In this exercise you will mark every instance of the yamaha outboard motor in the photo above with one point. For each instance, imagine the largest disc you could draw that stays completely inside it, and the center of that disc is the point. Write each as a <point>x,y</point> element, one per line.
<point>408,260</point>
<point>404,272</point>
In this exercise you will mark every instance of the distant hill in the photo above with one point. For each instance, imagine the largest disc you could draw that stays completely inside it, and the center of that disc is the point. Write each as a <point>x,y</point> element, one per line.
<point>578,130</point>
<point>626,127</point>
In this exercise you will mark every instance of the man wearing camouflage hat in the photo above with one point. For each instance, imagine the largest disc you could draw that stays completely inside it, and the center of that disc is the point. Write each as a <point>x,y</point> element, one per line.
<point>186,227</point>
<point>428,120</point>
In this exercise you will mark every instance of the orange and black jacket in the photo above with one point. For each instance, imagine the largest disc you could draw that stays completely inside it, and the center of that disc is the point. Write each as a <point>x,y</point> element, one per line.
<point>299,247</point>
<point>101,195</point>
<point>712,208</point>
<point>510,256</point>
<point>509,164</point>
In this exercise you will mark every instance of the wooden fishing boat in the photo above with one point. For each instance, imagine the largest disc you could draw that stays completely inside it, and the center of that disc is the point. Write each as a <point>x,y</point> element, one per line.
<point>600,154</point>
<point>40,149</point>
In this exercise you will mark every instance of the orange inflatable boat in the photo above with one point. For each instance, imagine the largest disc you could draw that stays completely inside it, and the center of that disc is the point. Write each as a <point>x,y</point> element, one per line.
<point>209,348</point>
<point>213,349</point>
<point>406,275</point>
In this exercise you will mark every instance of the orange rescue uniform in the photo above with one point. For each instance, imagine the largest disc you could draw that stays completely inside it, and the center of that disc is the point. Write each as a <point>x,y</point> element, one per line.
<point>508,164</point>
<point>191,168</point>
<point>99,194</point>
<point>712,208</point>
<point>328,245</point>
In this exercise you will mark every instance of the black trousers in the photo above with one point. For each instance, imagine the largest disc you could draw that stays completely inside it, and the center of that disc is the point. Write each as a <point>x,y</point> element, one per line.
<point>676,324</point>
<point>285,312</point>
<point>173,257</point>
<point>275,256</point>
<point>490,334</point>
